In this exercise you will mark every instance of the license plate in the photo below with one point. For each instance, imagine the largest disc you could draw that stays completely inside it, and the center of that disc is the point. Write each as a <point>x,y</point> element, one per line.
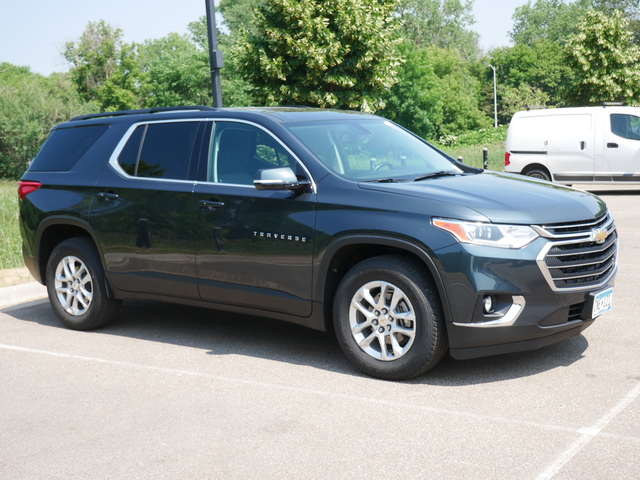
<point>602,302</point>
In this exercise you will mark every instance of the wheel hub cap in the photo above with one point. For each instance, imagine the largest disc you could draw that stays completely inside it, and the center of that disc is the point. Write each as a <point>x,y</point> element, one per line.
<point>73,285</point>
<point>382,320</point>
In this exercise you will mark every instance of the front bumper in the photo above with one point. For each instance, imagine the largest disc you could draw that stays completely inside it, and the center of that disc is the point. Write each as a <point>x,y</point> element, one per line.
<point>532,311</point>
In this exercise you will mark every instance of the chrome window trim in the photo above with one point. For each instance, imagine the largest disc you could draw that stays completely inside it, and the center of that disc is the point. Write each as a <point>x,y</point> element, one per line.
<point>314,188</point>
<point>113,159</point>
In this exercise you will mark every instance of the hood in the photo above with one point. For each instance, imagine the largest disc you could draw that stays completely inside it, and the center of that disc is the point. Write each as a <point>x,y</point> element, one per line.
<point>503,198</point>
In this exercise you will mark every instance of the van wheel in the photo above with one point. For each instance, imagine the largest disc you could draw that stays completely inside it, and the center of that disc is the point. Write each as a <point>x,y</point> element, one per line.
<point>76,286</point>
<point>539,174</point>
<point>388,319</point>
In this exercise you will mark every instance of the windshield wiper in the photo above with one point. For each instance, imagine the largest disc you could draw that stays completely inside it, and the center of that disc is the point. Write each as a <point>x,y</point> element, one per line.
<point>384,180</point>
<point>441,173</point>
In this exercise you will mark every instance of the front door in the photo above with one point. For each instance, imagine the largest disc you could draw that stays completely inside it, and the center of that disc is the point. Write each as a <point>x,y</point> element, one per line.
<point>253,248</point>
<point>622,147</point>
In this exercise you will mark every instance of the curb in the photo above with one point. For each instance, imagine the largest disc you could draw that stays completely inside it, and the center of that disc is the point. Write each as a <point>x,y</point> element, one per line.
<point>17,294</point>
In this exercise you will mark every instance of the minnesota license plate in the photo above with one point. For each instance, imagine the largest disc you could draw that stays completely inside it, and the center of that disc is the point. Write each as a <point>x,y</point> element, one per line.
<point>602,302</point>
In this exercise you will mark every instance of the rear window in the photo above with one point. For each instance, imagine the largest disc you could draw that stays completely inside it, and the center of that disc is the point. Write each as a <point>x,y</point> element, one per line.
<point>65,146</point>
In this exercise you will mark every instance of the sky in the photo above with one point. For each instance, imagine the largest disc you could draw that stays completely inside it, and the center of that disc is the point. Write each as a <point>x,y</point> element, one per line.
<point>34,32</point>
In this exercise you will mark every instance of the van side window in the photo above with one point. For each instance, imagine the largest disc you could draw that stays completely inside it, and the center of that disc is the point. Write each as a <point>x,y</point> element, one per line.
<point>625,126</point>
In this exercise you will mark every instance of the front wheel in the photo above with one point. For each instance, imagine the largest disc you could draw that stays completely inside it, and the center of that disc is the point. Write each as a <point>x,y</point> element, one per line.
<point>76,286</point>
<point>388,320</point>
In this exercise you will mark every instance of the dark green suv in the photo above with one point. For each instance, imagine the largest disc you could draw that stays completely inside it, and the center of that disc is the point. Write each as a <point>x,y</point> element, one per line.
<point>323,218</point>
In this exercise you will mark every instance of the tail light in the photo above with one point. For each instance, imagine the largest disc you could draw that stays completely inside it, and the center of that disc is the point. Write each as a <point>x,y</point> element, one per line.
<point>507,159</point>
<point>25,188</point>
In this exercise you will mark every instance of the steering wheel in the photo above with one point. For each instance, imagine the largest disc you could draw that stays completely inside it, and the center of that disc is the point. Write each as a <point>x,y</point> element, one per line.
<point>383,164</point>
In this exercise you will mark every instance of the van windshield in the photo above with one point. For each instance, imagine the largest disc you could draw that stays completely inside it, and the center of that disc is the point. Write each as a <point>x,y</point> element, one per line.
<point>371,149</point>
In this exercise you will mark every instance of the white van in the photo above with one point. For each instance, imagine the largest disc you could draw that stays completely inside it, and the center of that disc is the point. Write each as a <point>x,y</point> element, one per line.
<point>576,145</point>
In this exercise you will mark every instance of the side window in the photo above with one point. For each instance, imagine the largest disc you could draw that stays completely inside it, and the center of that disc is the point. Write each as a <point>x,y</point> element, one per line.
<point>65,147</point>
<point>129,156</point>
<point>625,126</point>
<point>240,150</point>
<point>160,150</point>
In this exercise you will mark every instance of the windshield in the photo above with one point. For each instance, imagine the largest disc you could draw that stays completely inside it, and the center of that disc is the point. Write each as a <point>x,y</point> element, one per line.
<point>377,149</point>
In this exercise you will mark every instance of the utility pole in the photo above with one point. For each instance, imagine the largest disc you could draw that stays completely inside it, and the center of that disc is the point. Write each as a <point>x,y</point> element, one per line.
<point>215,56</point>
<point>495,97</point>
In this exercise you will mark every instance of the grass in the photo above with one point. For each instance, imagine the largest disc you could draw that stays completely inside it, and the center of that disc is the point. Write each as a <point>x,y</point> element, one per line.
<point>10,241</point>
<point>473,155</point>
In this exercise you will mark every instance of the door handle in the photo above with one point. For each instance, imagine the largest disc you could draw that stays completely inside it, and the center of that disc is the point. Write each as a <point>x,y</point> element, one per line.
<point>108,195</point>
<point>612,145</point>
<point>583,145</point>
<point>210,204</point>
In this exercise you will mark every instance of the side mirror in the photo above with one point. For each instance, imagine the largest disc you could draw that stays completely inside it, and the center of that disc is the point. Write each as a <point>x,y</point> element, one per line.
<point>278,179</point>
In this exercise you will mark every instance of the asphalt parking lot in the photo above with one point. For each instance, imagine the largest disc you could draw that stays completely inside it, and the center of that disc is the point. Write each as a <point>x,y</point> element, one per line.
<point>171,392</point>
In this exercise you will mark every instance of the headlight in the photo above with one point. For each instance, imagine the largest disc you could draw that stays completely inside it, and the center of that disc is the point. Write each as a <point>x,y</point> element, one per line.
<point>488,234</point>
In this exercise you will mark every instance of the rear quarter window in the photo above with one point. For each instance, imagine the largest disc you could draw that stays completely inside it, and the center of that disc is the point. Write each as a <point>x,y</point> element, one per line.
<point>65,146</point>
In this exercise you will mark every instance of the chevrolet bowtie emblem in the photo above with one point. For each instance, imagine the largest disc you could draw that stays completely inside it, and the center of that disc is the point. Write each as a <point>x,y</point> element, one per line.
<point>598,236</point>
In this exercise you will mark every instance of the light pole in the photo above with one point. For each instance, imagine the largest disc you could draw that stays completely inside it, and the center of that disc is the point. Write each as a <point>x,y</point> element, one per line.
<point>215,56</point>
<point>495,97</point>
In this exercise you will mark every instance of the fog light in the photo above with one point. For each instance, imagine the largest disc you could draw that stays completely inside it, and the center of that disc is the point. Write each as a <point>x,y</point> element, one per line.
<point>488,304</point>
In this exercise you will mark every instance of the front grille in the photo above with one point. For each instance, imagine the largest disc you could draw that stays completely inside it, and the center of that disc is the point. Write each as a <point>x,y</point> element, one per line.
<point>574,259</point>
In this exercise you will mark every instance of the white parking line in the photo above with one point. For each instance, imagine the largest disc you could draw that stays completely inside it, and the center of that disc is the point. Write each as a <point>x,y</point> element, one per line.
<point>588,433</point>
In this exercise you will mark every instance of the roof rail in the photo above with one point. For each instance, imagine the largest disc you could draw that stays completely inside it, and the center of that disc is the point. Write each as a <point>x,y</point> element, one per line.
<point>142,111</point>
<point>612,104</point>
<point>537,107</point>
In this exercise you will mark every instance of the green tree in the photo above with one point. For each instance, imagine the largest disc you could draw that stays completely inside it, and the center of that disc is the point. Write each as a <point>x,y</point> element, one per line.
<point>238,14</point>
<point>553,20</point>
<point>630,8</point>
<point>176,72</point>
<point>440,23</point>
<point>103,68</point>
<point>326,53</point>
<point>527,74</point>
<point>606,62</point>
<point>514,100</point>
<point>30,105</point>
<point>414,102</point>
<point>437,95</point>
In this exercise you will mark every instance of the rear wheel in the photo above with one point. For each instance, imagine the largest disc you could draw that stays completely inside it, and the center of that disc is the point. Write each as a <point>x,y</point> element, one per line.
<point>76,286</point>
<point>387,318</point>
<point>539,173</point>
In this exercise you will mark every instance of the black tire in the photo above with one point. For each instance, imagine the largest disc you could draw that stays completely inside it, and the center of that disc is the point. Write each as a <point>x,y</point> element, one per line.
<point>368,338</point>
<point>76,286</point>
<point>539,174</point>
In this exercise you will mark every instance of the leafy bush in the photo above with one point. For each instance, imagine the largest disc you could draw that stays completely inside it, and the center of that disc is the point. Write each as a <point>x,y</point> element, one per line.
<point>484,136</point>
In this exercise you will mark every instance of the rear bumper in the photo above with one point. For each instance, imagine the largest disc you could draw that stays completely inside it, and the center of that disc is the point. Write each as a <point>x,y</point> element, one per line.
<point>32,265</point>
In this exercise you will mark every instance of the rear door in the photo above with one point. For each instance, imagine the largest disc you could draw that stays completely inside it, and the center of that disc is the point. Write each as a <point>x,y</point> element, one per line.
<point>144,211</point>
<point>253,248</point>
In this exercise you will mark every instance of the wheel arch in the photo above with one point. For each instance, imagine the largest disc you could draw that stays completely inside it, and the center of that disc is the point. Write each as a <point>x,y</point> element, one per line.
<point>537,166</point>
<point>54,230</point>
<point>346,252</point>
